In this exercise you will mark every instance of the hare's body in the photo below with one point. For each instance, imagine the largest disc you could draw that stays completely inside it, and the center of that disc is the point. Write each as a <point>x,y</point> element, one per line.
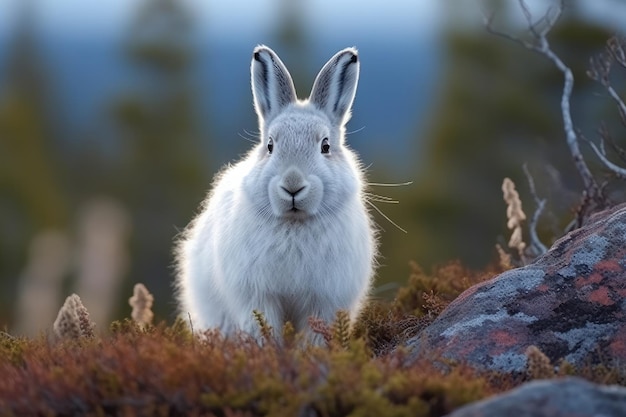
<point>285,231</point>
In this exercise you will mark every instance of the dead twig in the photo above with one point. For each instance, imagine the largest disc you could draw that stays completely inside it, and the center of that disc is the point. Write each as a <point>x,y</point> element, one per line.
<point>539,30</point>
<point>600,71</point>
<point>537,247</point>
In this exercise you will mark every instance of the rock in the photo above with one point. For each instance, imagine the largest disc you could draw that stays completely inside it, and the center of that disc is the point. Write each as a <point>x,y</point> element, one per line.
<point>570,303</point>
<point>567,397</point>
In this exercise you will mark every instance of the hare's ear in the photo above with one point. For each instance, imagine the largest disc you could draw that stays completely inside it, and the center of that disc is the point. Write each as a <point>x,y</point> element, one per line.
<point>335,86</point>
<point>272,86</point>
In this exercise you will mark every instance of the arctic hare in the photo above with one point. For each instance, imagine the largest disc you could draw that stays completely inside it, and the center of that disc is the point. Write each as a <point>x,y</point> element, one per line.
<point>285,231</point>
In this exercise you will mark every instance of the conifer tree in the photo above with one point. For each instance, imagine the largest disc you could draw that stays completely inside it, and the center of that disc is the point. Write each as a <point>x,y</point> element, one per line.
<point>293,43</point>
<point>32,197</point>
<point>164,174</point>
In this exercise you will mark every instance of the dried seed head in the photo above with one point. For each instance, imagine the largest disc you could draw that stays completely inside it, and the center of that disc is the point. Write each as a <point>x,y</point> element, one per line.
<point>141,302</point>
<point>538,365</point>
<point>73,322</point>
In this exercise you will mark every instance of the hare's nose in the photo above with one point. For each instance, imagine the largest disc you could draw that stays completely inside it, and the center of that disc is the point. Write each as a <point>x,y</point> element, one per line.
<point>293,182</point>
<point>294,192</point>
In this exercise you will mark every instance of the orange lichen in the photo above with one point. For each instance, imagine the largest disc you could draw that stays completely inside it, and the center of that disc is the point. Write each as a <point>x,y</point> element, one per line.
<point>617,347</point>
<point>504,338</point>
<point>601,296</point>
<point>611,265</point>
<point>593,278</point>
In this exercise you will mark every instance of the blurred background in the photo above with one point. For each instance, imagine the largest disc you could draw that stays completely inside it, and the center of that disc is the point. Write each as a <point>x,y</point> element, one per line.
<point>114,116</point>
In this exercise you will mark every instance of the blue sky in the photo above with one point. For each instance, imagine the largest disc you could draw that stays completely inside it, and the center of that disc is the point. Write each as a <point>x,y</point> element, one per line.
<point>250,17</point>
<point>233,16</point>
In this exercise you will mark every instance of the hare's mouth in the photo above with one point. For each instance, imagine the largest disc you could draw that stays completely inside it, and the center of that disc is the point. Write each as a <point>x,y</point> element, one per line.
<point>296,213</point>
<point>294,197</point>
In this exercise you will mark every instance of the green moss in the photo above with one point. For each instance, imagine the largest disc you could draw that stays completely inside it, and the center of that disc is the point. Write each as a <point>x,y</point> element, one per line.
<point>126,327</point>
<point>12,348</point>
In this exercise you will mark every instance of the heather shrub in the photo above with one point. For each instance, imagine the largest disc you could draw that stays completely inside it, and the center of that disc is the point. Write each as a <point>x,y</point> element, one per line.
<point>140,368</point>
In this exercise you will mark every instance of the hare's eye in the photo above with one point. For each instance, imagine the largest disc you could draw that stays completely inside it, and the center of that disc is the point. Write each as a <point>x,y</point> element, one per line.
<point>270,145</point>
<point>325,146</point>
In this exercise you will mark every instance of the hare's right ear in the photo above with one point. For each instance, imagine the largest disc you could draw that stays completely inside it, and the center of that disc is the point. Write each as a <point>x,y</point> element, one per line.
<point>272,86</point>
<point>335,86</point>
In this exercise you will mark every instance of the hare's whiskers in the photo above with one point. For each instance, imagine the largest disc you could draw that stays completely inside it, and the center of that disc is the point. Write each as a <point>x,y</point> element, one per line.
<point>371,198</point>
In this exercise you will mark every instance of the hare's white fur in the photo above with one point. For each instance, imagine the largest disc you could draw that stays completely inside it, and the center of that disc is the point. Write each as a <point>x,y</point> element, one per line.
<point>284,232</point>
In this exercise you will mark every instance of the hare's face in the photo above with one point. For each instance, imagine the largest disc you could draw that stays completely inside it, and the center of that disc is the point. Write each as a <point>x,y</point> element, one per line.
<point>301,168</point>
<point>303,165</point>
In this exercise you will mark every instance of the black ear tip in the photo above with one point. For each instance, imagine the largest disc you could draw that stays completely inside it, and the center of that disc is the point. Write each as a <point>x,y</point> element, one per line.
<point>257,56</point>
<point>354,58</point>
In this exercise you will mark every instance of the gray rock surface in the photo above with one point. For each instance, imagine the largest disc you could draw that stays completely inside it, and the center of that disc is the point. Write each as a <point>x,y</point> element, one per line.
<point>569,397</point>
<point>570,303</point>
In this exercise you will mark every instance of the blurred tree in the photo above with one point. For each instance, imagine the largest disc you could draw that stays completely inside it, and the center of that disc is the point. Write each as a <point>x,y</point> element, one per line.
<point>293,44</point>
<point>288,37</point>
<point>499,108</point>
<point>32,198</point>
<point>164,170</point>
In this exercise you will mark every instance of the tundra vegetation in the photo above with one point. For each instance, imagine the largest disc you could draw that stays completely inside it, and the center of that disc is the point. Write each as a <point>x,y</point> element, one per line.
<point>143,365</point>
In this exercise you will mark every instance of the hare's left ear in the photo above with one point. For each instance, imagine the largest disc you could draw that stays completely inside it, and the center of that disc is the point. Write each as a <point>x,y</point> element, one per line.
<point>272,86</point>
<point>335,86</point>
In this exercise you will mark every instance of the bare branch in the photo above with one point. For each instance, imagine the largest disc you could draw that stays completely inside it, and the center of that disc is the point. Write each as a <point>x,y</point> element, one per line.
<point>490,29</point>
<point>618,100</point>
<point>600,69</point>
<point>542,46</point>
<point>617,170</point>
<point>527,15</point>
<point>488,22</point>
<point>616,46</point>
<point>605,136</point>
<point>537,246</point>
<point>529,19</point>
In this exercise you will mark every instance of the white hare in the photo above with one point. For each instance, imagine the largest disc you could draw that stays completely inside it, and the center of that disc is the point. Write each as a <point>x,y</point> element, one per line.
<point>285,231</point>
